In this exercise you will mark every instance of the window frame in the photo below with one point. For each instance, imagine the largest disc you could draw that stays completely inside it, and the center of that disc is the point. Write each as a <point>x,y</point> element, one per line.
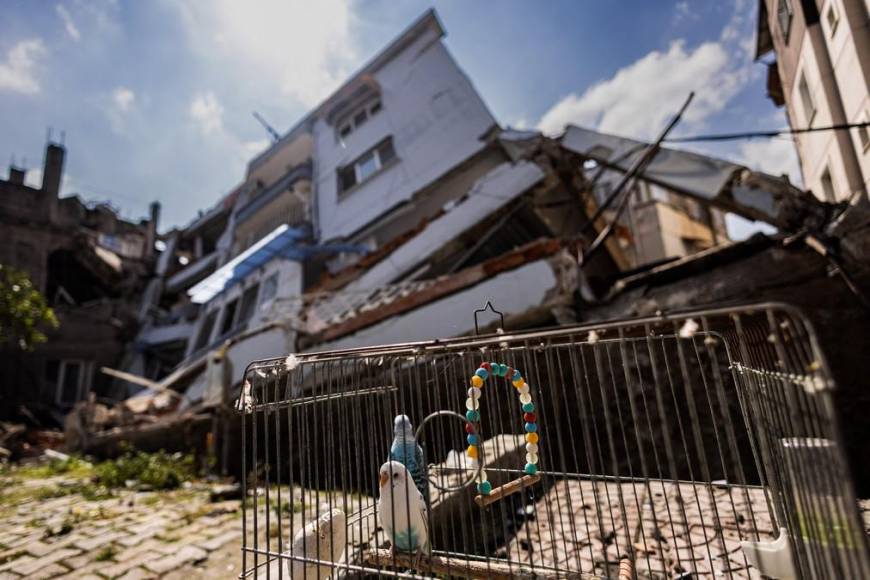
<point>63,365</point>
<point>830,195</point>
<point>789,11</point>
<point>203,338</point>
<point>241,316</point>
<point>349,124</point>
<point>264,299</point>
<point>806,97</point>
<point>376,152</point>
<point>832,10</point>
<point>864,134</point>
<point>230,314</point>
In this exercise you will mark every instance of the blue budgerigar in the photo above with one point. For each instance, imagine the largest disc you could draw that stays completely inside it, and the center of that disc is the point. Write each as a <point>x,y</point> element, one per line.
<point>406,451</point>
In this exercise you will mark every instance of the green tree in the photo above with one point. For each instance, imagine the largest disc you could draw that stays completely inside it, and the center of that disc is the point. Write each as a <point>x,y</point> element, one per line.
<point>24,312</point>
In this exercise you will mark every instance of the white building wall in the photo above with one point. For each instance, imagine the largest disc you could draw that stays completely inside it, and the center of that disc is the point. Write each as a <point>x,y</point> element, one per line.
<point>436,119</point>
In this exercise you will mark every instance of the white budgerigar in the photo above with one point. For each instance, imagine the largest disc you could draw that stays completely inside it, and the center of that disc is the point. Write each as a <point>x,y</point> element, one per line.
<point>322,539</point>
<point>402,511</point>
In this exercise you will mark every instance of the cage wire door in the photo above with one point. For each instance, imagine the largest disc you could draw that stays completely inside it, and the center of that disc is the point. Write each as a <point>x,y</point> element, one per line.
<point>703,444</point>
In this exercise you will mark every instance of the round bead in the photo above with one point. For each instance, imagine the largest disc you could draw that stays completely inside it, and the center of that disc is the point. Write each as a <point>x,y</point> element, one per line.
<point>495,367</point>
<point>486,366</point>
<point>472,415</point>
<point>531,427</point>
<point>472,439</point>
<point>509,372</point>
<point>532,437</point>
<point>517,375</point>
<point>529,417</point>
<point>531,447</point>
<point>525,398</point>
<point>532,458</point>
<point>524,390</point>
<point>469,428</point>
<point>519,382</point>
<point>502,370</point>
<point>482,373</point>
<point>484,487</point>
<point>472,451</point>
<point>471,404</point>
<point>474,393</point>
<point>476,381</point>
<point>531,468</point>
<point>528,407</point>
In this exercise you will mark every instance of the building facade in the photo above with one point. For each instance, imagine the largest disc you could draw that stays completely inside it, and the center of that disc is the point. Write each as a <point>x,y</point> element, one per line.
<point>822,76</point>
<point>401,176</point>
<point>91,265</point>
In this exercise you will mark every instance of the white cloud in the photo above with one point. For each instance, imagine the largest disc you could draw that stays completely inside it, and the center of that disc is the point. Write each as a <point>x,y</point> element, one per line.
<point>208,113</point>
<point>773,156</point>
<point>68,23</point>
<point>123,98</point>
<point>301,49</point>
<point>683,11</point>
<point>639,99</point>
<point>17,72</point>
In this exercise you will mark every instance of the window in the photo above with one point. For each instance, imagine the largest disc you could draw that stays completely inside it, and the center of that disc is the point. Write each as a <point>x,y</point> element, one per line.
<point>367,165</point>
<point>227,322</point>
<point>205,330</point>
<point>249,302</point>
<point>806,99</point>
<point>67,379</point>
<point>828,186</point>
<point>356,119</point>
<point>864,135</point>
<point>832,17</point>
<point>270,288</point>
<point>784,14</point>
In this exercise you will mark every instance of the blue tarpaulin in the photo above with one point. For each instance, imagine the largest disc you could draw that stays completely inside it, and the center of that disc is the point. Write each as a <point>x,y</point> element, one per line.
<point>283,242</point>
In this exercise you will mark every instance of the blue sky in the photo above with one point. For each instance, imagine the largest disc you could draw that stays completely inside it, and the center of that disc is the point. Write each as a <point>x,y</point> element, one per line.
<point>155,97</point>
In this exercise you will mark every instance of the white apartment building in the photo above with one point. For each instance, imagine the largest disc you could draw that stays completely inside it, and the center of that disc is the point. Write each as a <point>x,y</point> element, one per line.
<point>822,76</point>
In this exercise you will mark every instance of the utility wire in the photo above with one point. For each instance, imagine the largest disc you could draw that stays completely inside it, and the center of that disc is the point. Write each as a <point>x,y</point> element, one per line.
<point>767,134</point>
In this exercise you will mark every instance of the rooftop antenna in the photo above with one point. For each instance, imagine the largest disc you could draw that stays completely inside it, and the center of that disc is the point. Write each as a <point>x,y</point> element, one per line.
<point>272,132</point>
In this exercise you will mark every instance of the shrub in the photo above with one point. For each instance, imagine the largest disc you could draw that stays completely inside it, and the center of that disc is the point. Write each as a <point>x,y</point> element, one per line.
<point>155,470</point>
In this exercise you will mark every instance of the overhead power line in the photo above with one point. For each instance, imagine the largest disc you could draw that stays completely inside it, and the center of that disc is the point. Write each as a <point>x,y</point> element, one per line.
<point>765,134</point>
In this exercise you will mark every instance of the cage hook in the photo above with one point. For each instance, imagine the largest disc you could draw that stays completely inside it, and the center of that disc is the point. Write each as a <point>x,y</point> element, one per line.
<point>490,307</point>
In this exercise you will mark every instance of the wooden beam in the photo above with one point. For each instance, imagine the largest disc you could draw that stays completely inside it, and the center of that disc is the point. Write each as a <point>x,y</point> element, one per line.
<point>131,378</point>
<point>462,568</point>
<point>507,489</point>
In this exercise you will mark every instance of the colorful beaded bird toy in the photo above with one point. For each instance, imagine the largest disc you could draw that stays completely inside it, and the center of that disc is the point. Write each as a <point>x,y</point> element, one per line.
<point>484,487</point>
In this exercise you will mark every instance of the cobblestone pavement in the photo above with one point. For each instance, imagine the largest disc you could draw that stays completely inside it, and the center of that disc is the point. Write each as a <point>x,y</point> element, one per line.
<point>131,535</point>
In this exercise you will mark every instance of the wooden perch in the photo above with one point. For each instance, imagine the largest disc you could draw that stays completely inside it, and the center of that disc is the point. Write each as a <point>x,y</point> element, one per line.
<point>626,569</point>
<point>507,489</point>
<point>458,567</point>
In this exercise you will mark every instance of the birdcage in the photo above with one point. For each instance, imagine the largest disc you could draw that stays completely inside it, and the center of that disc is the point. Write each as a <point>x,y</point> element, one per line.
<point>681,446</point>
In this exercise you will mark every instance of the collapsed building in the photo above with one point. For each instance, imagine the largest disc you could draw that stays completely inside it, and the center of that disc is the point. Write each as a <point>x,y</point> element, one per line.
<point>91,265</point>
<point>398,206</point>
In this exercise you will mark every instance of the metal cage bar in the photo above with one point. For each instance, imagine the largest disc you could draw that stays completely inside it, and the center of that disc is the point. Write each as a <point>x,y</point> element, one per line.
<point>668,445</point>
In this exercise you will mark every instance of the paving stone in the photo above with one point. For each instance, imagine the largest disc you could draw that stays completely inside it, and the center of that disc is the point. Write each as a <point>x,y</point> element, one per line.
<point>137,574</point>
<point>20,560</point>
<point>100,540</point>
<point>218,541</point>
<point>183,556</point>
<point>52,571</point>
<point>40,563</point>
<point>124,565</point>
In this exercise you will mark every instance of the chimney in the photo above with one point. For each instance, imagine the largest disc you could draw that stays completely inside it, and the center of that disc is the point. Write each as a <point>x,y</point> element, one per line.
<point>151,236</point>
<point>16,175</point>
<point>52,171</point>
